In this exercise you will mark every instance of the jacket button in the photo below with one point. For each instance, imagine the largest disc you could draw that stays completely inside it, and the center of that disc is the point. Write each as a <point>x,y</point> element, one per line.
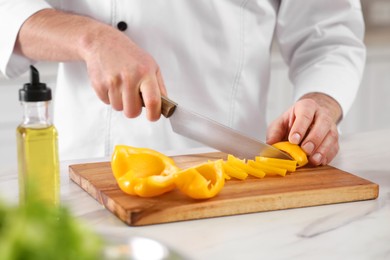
<point>122,26</point>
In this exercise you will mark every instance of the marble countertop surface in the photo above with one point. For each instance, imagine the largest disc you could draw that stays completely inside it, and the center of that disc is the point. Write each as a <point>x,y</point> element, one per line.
<point>355,230</point>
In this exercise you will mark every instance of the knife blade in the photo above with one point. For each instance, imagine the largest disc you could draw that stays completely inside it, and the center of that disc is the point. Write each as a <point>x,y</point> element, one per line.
<point>213,134</point>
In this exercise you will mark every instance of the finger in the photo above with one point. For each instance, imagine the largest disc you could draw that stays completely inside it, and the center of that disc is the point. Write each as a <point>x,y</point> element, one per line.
<point>278,130</point>
<point>317,133</point>
<point>115,97</point>
<point>132,103</point>
<point>327,150</point>
<point>101,92</point>
<point>151,96</point>
<point>161,83</point>
<point>304,112</point>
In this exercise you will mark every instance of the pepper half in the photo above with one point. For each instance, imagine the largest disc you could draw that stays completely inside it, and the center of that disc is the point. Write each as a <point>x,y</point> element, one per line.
<point>142,171</point>
<point>202,181</point>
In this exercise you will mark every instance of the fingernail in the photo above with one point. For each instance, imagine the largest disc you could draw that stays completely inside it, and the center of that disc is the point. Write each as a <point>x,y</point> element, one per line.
<point>324,162</point>
<point>317,157</point>
<point>308,147</point>
<point>295,138</point>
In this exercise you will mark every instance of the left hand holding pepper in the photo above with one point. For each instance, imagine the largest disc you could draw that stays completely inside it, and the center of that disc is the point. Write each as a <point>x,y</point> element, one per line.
<point>312,123</point>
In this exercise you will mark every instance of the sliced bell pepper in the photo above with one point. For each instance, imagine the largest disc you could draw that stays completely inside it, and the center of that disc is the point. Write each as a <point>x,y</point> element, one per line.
<point>234,161</point>
<point>289,165</point>
<point>142,171</point>
<point>235,172</point>
<point>267,168</point>
<point>294,150</point>
<point>202,181</point>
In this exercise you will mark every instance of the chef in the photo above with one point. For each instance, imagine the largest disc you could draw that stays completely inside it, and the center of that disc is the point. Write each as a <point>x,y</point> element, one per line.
<point>212,57</point>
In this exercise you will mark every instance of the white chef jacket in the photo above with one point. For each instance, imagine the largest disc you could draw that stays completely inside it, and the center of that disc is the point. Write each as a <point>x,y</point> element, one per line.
<point>214,57</point>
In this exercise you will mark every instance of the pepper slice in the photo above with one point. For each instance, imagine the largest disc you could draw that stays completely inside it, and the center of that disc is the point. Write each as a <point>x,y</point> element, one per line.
<point>267,168</point>
<point>235,172</point>
<point>202,181</point>
<point>241,164</point>
<point>142,171</point>
<point>294,150</point>
<point>289,165</point>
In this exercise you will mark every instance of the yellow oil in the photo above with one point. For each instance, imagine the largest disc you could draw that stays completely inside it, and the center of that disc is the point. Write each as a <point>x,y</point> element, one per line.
<point>38,164</point>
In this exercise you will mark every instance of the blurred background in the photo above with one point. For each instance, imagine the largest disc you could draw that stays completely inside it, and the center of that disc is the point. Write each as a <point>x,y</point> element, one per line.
<point>369,112</point>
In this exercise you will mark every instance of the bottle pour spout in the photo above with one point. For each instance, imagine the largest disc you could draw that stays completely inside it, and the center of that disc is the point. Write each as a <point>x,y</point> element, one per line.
<point>34,76</point>
<point>34,91</point>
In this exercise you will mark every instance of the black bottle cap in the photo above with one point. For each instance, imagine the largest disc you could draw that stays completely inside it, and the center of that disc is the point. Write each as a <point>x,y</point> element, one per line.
<point>34,91</point>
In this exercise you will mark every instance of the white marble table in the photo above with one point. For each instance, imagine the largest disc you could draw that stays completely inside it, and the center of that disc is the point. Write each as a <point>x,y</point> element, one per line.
<point>357,230</point>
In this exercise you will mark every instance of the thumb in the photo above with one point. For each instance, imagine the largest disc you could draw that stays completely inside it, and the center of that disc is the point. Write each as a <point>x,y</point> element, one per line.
<point>278,130</point>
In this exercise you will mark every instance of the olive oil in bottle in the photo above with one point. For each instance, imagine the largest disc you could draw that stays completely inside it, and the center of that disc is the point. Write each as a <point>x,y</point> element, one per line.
<point>38,163</point>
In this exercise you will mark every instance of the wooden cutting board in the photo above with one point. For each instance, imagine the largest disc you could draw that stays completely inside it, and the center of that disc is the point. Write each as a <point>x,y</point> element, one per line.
<point>305,187</point>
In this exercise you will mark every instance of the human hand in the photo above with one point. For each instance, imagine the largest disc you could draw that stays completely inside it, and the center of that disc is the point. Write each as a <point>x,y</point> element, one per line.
<point>122,74</point>
<point>312,123</point>
<point>118,69</point>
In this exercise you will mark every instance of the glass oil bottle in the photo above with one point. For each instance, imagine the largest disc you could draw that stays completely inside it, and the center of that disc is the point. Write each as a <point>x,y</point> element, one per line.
<point>38,163</point>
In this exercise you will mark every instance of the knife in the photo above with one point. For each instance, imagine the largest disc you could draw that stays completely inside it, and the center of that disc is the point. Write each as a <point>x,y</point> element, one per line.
<point>213,134</point>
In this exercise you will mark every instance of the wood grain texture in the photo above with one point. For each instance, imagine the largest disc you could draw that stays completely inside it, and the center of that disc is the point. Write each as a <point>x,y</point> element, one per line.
<point>305,187</point>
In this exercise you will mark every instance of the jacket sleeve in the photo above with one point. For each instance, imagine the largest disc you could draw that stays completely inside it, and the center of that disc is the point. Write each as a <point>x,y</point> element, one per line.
<point>322,42</point>
<point>13,13</point>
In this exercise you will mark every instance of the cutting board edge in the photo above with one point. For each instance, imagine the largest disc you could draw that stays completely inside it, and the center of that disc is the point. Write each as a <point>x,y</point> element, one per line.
<point>100,196</point>
<point>295,202</point>
<point>85,184</point>
<point>133,218</point>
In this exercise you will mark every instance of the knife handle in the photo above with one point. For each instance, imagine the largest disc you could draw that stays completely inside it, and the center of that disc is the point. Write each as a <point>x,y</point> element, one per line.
<point>167,106</point>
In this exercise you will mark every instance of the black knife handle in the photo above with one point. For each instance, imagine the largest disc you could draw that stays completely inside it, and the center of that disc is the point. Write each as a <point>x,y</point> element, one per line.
<point>167,106</point>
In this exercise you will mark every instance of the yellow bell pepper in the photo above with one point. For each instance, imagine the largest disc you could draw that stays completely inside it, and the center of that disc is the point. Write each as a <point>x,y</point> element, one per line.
<point>202,181</point>
<point>142,171</point>
<point>267,168</point>
<point>235,172</point>
<point>289,165</point>
<point>294,150</point>
<point>235,162</point>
